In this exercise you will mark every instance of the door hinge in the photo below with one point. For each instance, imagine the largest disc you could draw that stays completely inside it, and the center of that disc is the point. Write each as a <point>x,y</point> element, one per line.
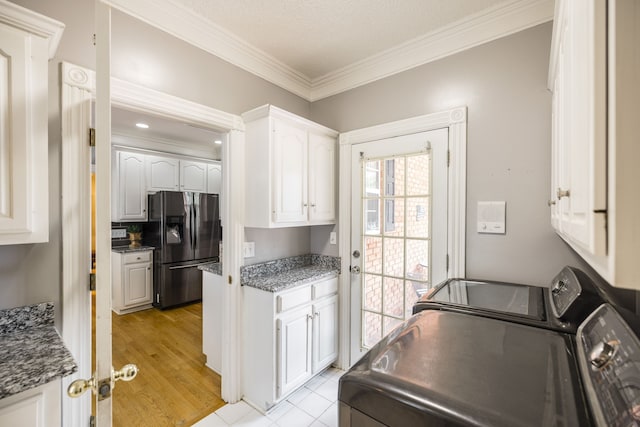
<point>92,281</point>
<point>92,137</point>
<point>230,279</point>
<point>92,421</point>
<point>447,263</point>
<point>448,158</point>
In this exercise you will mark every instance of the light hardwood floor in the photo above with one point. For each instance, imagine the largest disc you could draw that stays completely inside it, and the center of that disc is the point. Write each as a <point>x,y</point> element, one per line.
<point>173,387</point>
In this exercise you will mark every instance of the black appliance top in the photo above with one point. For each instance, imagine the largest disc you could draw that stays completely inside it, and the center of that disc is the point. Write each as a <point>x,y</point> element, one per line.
<point>468,370</point>
<point>571,297</point>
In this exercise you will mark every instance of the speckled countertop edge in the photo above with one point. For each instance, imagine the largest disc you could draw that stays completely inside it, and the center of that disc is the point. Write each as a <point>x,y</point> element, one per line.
<point>286,273</point>
<point>127,249</point>
<point>32,352</point>
<point>213,267</point>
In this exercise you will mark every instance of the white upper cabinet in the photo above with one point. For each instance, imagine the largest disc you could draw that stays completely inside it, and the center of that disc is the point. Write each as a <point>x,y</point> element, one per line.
<point>163,173</point>
<point>193,176</point>
<point>129,187</point>
<point>27,41</point>
<point>214,178</point>
<point>290,170</point>
<point>593,77</point>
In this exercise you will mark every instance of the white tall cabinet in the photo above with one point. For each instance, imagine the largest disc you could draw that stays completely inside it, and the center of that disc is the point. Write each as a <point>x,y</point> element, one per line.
<point>27,41</point>
<point>289,337</point>
<point>291,163</point>
<point>593,77</point>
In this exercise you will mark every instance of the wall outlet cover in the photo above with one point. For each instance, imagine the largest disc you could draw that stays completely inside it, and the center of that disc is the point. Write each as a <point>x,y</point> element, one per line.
<point>118,233</point>
<point>249,249</point>
<point>332,238</point>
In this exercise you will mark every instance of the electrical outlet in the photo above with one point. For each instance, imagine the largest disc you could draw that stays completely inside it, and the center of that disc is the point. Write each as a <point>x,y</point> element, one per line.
<point>249,249</point>
<point>332,238</point>
<point>118,233</point>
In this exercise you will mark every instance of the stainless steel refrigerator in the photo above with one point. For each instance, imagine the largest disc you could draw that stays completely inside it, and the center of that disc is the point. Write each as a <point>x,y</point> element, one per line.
<point>185,229</point>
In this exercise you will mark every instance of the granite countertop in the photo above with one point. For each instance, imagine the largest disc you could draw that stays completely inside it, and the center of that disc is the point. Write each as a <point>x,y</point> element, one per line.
<point>32,352</point>
<point>286,273</point>
<point>127,249</point>
<point>212,267</point>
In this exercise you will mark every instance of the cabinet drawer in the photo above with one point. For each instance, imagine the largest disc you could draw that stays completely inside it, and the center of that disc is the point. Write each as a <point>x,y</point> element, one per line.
<point>134,257</point>
<point>324,288</point>
<point>293,298</point>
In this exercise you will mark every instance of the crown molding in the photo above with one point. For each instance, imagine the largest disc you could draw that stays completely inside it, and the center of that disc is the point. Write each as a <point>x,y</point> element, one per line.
<point>184,24</point>
<point>32,22</point>
<point>472,31</point>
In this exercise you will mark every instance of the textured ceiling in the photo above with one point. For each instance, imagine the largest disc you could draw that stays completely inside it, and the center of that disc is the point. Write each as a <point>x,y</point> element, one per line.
<point>317,37</point>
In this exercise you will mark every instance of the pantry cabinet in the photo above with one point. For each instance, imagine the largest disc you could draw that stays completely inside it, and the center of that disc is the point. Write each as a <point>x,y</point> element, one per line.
<point>27,41</point>
<point>295,332</point>
<point>592,76</point>
<point>291,163</point>
<point>132,279</point>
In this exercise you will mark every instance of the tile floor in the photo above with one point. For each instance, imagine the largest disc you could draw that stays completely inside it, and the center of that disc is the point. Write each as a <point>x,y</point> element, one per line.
<point>314,405</point>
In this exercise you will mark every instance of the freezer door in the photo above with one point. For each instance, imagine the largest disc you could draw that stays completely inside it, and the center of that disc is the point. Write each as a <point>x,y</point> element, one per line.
<point>177,225</point>
<point>177,284</point>
<point>206,222</point>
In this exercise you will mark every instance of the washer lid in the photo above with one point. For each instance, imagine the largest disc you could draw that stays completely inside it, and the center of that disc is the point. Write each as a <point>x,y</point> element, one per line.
<point>467,370</point>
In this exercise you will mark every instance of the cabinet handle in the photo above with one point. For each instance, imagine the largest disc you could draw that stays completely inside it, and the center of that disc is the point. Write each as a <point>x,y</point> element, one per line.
<point>563,193</point>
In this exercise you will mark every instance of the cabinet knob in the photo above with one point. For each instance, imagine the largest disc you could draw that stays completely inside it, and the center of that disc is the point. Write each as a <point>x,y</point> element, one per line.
<point>563,193</point>
<point>313,205</point>
<point>309,317</point>
<point>551,202</point>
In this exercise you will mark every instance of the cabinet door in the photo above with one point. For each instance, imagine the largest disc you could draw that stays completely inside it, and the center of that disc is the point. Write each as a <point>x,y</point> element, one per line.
<point>163,173</point>
<point>579,119</point>
<point>212,296</point>
<point>132,195</point>
<point>214,178</point>
<point>325,333</point>
<point>193,176</point>
<point>294,350</point>
<point>289,173</point>
<point>322,178</point>
<point>36,407</point>
<point>137,284</point>
<point>24,184</point>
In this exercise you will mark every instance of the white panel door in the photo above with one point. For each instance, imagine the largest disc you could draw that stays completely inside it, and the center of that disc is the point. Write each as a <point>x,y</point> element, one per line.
<point>289,173</point>
<point>193,176</point>
<point>325,332</point>
<point>294,350</point>
<point>322,178</point>
<point>163,173</point>
<point>132,197</point>
<point>399,230</point>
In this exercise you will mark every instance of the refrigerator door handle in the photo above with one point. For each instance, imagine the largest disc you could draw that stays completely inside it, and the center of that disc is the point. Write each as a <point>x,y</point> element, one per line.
<point>180,267</point>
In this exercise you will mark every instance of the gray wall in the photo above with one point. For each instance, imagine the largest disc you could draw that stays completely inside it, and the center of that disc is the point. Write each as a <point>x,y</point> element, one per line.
<point>503,84</point>
<point>32,273</point>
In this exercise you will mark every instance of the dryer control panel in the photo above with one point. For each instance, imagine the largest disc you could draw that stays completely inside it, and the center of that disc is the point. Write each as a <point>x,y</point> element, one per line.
<point>609,359</point>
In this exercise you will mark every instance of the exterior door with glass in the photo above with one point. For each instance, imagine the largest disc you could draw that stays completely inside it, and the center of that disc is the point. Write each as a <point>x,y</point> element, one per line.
<point>398,230</point>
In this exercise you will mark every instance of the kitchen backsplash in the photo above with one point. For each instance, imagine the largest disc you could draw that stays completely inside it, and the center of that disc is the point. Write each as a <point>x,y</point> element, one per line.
<point>123,241</point>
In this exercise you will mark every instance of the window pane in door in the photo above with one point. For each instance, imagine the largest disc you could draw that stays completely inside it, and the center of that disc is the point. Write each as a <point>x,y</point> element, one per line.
<point>393,292</point>
<point>394,175</point>
<point>372,325</point>
<point>418,175</point>
<point>372,255</point>
<point>418,217</point>
<point>372,298</point>
<point>394,217</point>
<point>393,253</point>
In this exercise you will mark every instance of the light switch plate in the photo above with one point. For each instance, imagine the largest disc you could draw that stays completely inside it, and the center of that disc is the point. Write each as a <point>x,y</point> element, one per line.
<point>332,238</point>
<point>492,217</point>
<point>249,249</point>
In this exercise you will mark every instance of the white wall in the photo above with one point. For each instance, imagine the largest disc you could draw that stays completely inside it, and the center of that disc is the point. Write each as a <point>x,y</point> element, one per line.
<point>503,83</point>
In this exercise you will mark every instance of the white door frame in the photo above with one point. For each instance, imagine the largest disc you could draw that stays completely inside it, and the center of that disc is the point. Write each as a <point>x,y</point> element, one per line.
<point>454,119</point>
<point>78,87</point>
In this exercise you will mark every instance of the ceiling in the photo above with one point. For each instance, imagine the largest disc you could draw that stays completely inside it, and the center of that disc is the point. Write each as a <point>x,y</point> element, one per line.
<point>318,48</point>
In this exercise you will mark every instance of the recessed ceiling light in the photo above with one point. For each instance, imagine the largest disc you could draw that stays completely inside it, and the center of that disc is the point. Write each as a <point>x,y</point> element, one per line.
<point>217,141</point>
<point>142,125</point>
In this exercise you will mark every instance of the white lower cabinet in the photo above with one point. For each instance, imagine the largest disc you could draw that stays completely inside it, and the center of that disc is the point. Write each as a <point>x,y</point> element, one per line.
<point>131,280</point>
<point>212,294</point>
<point>289,337</point>
<point>38,407</point>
